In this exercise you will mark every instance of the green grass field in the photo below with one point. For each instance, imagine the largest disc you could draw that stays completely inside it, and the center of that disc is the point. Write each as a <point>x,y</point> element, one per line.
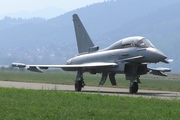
<point>20,104</point>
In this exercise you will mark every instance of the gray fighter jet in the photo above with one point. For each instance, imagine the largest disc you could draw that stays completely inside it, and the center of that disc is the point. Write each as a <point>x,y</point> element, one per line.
<point>129,56</point>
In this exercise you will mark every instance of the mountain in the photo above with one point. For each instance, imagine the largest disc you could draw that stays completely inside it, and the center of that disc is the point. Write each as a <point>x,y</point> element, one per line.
<point>9,22</point>
<point>46,13</point>
<point>52,40</point>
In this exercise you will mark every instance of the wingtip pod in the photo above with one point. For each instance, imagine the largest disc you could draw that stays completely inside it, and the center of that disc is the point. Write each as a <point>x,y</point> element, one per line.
<point>35,69</point>
<point>159,71</point>
<point>20,65</point>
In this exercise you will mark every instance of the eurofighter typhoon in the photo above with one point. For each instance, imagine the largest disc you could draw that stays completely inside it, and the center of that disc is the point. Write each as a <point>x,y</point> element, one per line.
<point>129,56</point>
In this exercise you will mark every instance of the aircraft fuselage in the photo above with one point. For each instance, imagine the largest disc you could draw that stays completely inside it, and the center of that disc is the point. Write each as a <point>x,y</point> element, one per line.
<point>128,54</point>
<point>150,55</point>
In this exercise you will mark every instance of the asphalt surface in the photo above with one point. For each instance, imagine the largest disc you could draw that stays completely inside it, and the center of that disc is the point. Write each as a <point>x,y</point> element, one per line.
<point>94,90</point>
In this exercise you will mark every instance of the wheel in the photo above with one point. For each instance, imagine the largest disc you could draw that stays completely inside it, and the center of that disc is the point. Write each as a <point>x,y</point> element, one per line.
<point>78,86</point>
<point>133,88</point>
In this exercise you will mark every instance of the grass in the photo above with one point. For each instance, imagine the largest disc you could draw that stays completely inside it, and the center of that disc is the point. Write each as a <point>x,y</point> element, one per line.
<point>44,105</point>
<point>60,77</point>
<point>20,104</point>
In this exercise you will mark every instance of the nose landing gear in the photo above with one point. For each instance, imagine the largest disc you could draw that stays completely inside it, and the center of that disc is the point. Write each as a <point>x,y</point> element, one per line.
<point>133,88</point>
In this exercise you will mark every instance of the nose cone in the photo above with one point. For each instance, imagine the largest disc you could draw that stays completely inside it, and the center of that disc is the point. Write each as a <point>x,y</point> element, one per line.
<point>155,55</point>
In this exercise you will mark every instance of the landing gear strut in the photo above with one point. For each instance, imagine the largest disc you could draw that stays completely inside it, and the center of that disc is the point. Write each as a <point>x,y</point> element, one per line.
<point>79,82</point>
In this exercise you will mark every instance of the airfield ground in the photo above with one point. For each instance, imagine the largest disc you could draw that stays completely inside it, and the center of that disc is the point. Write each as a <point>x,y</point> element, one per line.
<point>149,82</point>
<point>59,104</point>
<point>92,90</point>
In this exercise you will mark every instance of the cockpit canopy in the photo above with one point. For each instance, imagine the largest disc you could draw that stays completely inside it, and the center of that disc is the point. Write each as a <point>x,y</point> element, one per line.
<point>144,43</point>
<point>131,42</point>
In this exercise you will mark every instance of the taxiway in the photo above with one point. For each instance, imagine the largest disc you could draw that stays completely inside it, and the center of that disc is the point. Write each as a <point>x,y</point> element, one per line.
<point>94,90</point>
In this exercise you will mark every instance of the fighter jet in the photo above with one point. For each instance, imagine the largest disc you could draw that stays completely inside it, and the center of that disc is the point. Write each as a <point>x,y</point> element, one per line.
<point>129,56</point>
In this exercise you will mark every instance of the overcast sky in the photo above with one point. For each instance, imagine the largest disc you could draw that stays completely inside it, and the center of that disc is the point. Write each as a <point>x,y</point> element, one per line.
<point>12,6</point>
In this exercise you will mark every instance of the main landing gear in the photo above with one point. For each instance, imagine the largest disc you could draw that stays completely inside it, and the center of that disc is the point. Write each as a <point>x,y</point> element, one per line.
<point>79,85</point>
<point>79,82</point>
<point>133,88</point>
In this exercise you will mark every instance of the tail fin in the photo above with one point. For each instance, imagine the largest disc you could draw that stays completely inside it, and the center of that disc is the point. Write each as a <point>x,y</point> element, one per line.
<point>84,42</point>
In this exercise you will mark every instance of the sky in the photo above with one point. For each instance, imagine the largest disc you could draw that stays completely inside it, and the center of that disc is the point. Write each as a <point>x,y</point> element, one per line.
<point>12,6</point>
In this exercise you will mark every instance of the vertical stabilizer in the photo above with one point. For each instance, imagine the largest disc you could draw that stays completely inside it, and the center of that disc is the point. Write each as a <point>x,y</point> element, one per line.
<point>84,42</point>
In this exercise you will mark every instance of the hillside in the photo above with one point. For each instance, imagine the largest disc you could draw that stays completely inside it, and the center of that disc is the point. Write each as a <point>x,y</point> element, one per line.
<point>53,40</point>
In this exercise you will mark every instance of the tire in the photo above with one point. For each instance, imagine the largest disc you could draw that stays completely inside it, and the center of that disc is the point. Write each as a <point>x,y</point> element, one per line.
<point>78,86</point>
<point>133,88</point>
